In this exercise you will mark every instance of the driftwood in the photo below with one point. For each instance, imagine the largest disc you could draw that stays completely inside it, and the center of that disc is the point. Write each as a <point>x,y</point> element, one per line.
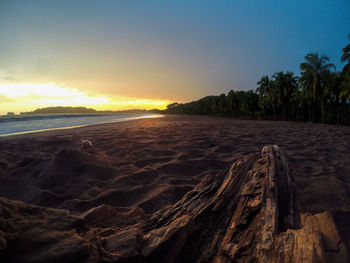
<point>249,213</point>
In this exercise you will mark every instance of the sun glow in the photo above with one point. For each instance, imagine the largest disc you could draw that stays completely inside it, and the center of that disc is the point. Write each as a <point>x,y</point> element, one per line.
<point>17,97</point>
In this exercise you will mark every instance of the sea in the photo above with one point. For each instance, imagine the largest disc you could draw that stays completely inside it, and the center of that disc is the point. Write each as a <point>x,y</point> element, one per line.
<point>21,124</point>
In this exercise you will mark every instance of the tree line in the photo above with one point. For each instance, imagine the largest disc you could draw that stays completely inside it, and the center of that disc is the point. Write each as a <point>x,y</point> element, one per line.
<point>319,94</point>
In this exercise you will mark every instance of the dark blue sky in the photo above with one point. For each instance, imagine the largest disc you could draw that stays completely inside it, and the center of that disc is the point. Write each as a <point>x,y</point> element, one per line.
<point>175,50</point>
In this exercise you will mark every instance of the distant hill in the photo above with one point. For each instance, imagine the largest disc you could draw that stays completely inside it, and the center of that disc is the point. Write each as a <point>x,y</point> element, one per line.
<point>65,110</point>
<point>60,109</point>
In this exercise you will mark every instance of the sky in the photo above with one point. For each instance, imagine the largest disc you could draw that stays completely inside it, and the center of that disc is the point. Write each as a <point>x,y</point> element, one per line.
<point>146,54</point>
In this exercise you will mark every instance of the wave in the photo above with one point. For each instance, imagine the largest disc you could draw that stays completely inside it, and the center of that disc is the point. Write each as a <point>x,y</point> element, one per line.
<point>15,118</point>
<point>25,124</point>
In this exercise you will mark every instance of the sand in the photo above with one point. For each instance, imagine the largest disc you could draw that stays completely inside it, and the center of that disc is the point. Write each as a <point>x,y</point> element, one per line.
<point>145,165</point>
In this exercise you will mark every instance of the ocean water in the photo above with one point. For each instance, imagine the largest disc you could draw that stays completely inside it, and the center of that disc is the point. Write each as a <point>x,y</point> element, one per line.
<point>19,124</point>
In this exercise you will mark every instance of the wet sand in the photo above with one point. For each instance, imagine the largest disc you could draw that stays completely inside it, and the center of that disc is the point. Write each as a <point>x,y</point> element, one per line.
<point>144,165</point>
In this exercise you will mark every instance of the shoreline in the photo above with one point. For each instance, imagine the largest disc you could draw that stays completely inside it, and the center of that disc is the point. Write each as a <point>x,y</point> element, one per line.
<point>80,126</point>
<point>50,130</point>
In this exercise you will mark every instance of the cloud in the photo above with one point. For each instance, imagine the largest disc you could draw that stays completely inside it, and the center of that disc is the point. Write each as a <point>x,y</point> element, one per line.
<point>5,99</point>
<point>10,79</point>
<point>48,91</point>
<point>21,96</point>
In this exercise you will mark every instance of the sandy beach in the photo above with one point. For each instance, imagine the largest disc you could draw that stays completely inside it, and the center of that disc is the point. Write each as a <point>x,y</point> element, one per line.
<point>141,166</point>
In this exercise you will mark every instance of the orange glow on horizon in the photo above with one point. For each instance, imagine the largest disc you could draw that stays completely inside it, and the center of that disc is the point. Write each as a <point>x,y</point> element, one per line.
<point>21,97</point>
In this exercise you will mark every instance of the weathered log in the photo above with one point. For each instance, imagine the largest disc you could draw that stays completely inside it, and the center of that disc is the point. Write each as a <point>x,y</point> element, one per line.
<point>248,213</point>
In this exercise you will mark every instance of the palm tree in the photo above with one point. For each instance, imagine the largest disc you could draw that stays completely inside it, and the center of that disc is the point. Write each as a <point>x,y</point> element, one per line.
<point>231,102</point>
<point>285,84</point>
<point>315,77</point>
<point>278,80</point>
<point>267,95</point>
<point>296,101</point>
<point>345,85</point>
<point>346,55</point>
<point>345,88</point>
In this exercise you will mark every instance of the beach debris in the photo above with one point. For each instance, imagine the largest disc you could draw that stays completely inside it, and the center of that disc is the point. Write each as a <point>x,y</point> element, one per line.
<point>86,144</point>
<point>248,213</point>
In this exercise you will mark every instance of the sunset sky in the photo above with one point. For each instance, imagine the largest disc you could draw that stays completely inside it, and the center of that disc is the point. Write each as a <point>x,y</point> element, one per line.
<point>146,54</point>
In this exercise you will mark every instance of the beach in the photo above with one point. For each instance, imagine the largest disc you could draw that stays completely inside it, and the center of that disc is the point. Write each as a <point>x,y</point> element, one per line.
<point>141,166</point>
